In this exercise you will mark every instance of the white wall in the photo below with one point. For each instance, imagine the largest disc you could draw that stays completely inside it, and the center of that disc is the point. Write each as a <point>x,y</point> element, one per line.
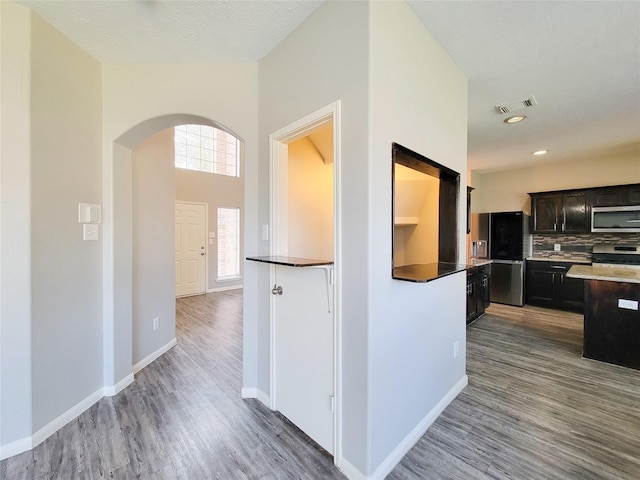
<point>66,138</point>
<point>397,337</point>
<point>507,190</point>
<point>310,202</point>
<point>15,229</point>
<point>322,61</point>
<point>154,275</point>
<point>418,98</point>
<point>139,101</point>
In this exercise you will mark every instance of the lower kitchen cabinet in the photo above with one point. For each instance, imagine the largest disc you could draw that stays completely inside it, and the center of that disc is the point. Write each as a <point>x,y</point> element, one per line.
<point>478,287</point>
<point>611,330</point>
<point>548,286</point>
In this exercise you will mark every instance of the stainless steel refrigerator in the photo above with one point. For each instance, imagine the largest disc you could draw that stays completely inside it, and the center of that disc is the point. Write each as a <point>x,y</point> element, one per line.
<point>504,238</point>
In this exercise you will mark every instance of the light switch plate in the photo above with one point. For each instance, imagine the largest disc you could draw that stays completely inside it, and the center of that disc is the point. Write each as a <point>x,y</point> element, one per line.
<point>89,213</point>
<point>90,231</point>
<point>556,247</point>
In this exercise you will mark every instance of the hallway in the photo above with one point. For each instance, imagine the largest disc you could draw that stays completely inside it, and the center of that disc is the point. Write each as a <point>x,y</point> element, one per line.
<point>182,418</point>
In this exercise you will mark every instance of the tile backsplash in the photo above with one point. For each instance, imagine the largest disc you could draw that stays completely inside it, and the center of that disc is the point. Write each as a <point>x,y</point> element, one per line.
<point>579,245</point>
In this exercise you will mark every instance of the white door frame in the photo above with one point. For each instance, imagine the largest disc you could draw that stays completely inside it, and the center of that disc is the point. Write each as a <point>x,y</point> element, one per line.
<point>278,156</point>
<point>206,239</point>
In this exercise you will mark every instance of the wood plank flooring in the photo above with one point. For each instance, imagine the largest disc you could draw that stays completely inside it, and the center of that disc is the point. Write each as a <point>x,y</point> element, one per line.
<point>534,409</point>
<point>182,418</point>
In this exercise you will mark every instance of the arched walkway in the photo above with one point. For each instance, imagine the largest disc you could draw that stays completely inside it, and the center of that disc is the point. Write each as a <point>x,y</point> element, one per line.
<point>117,246</point>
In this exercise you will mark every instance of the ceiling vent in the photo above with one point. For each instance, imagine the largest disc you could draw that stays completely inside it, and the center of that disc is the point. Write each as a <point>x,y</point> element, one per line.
<point>516,105</point>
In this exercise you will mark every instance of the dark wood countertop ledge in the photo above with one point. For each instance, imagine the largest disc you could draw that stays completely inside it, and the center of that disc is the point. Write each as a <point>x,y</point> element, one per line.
<point>426,272</point>
<point>291,261</point>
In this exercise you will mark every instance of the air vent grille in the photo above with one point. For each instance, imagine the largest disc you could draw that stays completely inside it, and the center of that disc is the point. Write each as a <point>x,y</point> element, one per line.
<point>514,106</point>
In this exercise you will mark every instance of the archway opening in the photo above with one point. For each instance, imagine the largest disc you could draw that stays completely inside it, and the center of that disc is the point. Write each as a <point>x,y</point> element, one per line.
<point>123,352</point>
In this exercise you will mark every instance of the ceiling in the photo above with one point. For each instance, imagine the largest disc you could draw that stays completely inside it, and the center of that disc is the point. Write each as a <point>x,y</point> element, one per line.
<point>579,59</point>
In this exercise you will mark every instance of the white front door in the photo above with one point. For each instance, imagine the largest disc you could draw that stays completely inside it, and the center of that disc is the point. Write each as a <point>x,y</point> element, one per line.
<point>190,248</point>
<point>304,351</point>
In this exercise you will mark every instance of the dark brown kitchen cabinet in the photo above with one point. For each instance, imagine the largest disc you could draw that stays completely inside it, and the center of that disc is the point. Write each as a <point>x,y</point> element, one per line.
<point>633,195</point>
<point>545,212</point>
<point>560,213</point>
<point>574,213</point>
<point>620,195</point>
<point>607,197</point>
<point>478,287</point>
<point>469,190</point>
<point>548,286</point>
<point>612,330</point>
<point>472,289</point>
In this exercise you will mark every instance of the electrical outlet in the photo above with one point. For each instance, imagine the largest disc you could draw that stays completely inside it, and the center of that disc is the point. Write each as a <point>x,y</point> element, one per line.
<point>156,323</point>
<point>557,247</point>
<point>456,349</point>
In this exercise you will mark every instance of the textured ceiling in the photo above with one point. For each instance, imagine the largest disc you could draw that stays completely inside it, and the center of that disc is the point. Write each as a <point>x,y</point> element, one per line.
<point>580,59</point>
<point>170,31</point>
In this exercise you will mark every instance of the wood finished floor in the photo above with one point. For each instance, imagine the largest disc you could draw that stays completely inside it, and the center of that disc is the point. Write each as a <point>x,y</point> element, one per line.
<point>534,409</point>
<point>182,418</point>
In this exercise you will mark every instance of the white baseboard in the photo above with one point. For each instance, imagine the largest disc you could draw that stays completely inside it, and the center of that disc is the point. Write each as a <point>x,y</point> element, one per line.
<point>410,440</point>
<point>111,390</point>
<point>351,472</point>
<point>254,392</point>
<point>14,448</point>
<point>264,399</point>
<point>249,392</point>
<point>52,427</point>
<point>24,444</point>
<point>153,356</point>
<point>225,289</point>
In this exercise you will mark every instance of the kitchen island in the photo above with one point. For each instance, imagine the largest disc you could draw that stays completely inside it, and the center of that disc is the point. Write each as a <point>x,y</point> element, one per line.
<point>611,315</point>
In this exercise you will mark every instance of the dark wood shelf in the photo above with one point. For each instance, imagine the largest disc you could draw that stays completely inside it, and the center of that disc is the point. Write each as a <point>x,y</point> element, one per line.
<point>291,261</point>
<point>426,272</point>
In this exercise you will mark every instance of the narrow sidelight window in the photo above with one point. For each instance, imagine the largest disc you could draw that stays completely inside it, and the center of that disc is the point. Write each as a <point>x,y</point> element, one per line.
<point>228,242</point>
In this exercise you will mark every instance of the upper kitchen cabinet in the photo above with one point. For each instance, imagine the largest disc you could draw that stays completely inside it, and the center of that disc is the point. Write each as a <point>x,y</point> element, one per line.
<point>545,212</point>
<point>607,197</point>
<point>575,218</point>
<point>559,212</point>
<point>633,195</point>
<point>616,196</point>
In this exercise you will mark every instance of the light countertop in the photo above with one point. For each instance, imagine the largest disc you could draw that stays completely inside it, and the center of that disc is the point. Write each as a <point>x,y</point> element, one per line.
<point>477,262</point>
<point>560,259</point>
<point>611,274</point>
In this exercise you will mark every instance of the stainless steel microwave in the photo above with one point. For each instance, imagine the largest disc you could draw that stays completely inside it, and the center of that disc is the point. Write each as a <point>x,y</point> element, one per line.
<point>615,219</point>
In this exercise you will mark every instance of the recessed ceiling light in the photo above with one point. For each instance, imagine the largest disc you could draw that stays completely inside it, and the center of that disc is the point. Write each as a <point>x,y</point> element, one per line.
<point>515,118</point>
<point>540,152</point>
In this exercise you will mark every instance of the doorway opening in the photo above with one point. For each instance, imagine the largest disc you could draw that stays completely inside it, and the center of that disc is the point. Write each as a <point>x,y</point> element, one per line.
<point>305,320</point>
<point>133,340</point>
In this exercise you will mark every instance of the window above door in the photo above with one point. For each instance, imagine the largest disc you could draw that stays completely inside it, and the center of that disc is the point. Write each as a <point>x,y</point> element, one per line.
<point>207,149</point>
